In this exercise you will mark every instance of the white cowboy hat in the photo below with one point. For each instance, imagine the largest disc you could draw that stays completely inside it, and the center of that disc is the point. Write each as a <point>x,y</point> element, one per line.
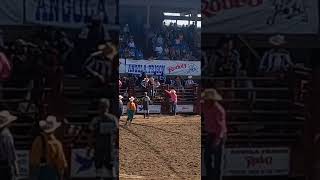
<point>120,97</point>
<point>189,77</point>
<point>131,99</point>
<point>211,94</point>
<point>173,91</point>
<point>50,124</point>
<point>277,40</point>
<point>6,118</point>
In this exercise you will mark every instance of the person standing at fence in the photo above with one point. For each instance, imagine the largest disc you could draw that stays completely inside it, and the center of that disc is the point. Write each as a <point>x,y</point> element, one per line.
<point>120,107</point>
<point>8,158</point>
<point>103,127</point>
<point>215,125</point>
<point>145,103</point>
<point>173,100</point>
<point>47,158</point>
<point>131,110</point>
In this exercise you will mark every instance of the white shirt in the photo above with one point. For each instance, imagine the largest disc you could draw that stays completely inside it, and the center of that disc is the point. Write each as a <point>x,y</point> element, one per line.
<point>275,61</point>
<point>189,82</point>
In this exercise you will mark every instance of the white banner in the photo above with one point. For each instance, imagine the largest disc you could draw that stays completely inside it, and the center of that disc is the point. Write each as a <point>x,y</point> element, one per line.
<point>70,13</point>
<point>260,16</point>
<point>153,109</point>
<point>23,163</point>
<point>82,166</point>
<point>256,161</point>
<point>185,108</point>
<point>160,67</point>
<point>11,12</point>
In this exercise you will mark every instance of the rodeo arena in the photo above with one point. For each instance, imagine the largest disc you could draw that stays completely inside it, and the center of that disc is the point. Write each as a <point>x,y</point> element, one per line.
<point>258,62</point>
<point>59,76</point>
<point>160,72</point>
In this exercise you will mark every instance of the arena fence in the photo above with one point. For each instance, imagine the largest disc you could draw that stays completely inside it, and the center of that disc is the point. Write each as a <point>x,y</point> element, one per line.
<point>265,119</point>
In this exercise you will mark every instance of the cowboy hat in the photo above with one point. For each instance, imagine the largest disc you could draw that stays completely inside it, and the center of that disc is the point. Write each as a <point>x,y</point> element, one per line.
<point>211,94</point>
<point>173,91</point>
<point>111,48</point>
<point>131,99</point>
<point>120,97</point>
<point>189,77</point>
<point>50,124</point>
<point>277,40</point>
<point>6,118</point>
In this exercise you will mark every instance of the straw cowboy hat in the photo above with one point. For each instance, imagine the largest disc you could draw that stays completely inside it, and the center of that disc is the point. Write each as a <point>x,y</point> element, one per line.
<point>111,48</point>
<point>131,99</point>
<point>50,124</point>
<point>211,94</point>
<point>6,118</point>
<point>173,91</point>
<point>277,40</point>
<point>120,97</point>
<point>189,77</point>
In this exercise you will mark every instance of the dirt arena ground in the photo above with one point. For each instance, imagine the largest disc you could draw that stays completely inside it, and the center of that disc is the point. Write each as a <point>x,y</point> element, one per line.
<point>162,147</point>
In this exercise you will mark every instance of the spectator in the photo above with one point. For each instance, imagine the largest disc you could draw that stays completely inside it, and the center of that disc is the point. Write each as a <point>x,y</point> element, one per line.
<point>5,69</point>
<point>99,65</point>
<point>215,126</point>
<point>227,58</point>
<point>173,100</point>
<point>145,103</point>
<point>8,157</point>
<point>102,128</point>
<point>179,84</point>
<point>151,86</point>
<point>94,34</point>
<point>120,83</point>
<point>224,60</point>
<point>120,106</point>
<point>145,83</point>
<point>276,60</point>
<point>131,43</point>
<point>47,159</point>
<point>189,83</point>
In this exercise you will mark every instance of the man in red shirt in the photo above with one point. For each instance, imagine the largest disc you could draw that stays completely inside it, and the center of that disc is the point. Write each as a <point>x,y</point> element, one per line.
<point>173,99</point>
<point>214,117</point>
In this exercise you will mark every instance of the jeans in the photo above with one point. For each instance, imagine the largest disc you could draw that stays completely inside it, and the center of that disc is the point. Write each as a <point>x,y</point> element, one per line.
<point>103,152</point>
<point>174,108</point>
<point>213,159</point>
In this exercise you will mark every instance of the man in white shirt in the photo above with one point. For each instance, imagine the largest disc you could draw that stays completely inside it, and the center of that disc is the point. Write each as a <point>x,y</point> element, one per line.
<point>276,60</point>
<point>189,83</point>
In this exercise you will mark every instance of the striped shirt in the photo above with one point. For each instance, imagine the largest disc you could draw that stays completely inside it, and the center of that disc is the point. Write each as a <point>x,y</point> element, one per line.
<point>99,64</point>
<point>275,61</point>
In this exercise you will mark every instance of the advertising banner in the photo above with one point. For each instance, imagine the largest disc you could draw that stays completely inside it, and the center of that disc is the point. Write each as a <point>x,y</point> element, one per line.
<point>11,12</point>
<point>82,165</point>
<point>160,67</point>
<point>153,109</point>
<point>260,16</point>
<point>23,163</point>
<point>256,161</point>
<point>185,108</point>
<point>70,13</point>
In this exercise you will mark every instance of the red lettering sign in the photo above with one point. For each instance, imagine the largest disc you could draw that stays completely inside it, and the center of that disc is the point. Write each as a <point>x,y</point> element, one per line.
<point>178,66</point>
<point>211,8</point>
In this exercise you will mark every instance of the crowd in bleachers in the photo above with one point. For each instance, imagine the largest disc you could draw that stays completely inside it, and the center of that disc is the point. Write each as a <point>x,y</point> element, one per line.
<point>153,84</point>
<point>170,42</point>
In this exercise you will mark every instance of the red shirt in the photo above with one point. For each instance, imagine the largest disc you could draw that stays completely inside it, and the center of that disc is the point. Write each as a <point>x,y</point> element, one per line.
<point>173,96</point>
<point>215,120</point>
